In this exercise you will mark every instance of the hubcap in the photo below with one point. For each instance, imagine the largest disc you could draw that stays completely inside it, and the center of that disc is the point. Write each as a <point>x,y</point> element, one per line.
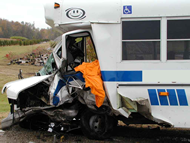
<point>97,123</point>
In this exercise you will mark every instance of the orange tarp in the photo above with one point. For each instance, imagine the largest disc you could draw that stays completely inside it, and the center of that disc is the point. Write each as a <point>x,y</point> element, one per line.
<point>92,75</point>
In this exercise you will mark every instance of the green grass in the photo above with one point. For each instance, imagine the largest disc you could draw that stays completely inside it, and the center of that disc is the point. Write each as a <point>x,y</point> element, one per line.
<point>10,72</point>
<point>18,50</point>
<point>4,105</point>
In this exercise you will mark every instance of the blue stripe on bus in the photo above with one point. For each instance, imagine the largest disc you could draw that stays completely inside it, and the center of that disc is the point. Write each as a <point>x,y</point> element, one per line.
<point>163,99</point>
<point>122,76</point>
<point>182,97</point>
<point>153,97</point>
<point>172,97</point>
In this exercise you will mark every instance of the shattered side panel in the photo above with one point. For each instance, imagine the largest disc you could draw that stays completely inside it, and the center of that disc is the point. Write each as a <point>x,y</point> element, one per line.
<point>136,99</point>
<point>57,88</point>
<point>87,98</point>
<point>162,109</point>
<point>64,89</point>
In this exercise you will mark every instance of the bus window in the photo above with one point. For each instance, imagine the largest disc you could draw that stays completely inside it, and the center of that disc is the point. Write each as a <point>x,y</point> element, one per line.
<point>178,35</point>
<point>141,40</point>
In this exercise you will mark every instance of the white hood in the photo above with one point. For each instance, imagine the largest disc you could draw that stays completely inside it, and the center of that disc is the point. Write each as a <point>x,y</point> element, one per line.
<point>15,87</point>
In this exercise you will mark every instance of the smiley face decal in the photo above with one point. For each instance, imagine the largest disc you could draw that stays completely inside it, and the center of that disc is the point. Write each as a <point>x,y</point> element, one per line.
<point>75,13</point>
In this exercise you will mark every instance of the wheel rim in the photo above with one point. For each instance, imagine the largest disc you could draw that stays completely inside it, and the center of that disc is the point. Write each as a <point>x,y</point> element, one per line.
<point>97,123</point>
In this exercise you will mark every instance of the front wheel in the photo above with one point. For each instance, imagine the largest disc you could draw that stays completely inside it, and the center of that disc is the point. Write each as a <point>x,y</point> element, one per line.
<point>97,126</point>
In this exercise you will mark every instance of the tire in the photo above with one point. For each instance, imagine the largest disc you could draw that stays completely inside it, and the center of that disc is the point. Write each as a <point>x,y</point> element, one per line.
<point>97,126</point>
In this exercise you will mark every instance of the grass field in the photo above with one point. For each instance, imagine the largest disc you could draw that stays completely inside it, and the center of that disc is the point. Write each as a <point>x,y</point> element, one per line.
<point>10,72</point>
<point>18,50</point>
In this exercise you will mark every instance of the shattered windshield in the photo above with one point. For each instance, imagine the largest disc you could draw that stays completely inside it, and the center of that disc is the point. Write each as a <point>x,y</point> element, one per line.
<point>49,67</point>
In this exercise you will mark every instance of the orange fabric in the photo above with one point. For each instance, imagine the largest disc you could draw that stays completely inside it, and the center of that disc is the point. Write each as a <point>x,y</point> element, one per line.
<point>92,75</point>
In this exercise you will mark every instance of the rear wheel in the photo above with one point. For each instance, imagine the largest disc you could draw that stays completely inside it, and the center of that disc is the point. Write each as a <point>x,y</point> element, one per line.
<point>97,126</point>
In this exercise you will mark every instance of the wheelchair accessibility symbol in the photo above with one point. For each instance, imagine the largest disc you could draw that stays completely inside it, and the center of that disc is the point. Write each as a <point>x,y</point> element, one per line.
<point>127,9</point>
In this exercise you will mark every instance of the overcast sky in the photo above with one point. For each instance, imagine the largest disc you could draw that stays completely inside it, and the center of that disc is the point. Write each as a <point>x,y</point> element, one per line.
<point>31,11</point>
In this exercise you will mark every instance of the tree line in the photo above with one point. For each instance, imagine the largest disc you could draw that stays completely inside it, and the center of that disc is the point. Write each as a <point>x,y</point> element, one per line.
<point>25,29</point>
<point>21,42</point>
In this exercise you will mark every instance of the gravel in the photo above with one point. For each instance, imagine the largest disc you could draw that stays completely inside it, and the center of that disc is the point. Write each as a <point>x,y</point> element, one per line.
<point>132,134</point>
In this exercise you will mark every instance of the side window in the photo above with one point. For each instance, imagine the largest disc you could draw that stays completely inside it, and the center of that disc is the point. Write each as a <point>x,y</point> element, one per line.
<point>59,52</point>
<point>178,39</point>
<point>141,40</point>
<point>75,52</point>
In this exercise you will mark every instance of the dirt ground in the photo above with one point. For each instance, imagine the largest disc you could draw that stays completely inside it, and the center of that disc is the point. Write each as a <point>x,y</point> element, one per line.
<point>123,133</point>
<point>2,116</point>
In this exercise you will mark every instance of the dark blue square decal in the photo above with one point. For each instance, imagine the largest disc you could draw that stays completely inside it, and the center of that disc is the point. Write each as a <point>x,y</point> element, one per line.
<point>127,9</point>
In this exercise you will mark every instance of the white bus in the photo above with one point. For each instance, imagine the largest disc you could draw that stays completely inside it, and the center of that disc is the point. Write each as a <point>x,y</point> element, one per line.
<point>143,48</point>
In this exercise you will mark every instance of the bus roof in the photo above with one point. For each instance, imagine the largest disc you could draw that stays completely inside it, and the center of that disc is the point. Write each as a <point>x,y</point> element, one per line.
<point>80,13</point>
